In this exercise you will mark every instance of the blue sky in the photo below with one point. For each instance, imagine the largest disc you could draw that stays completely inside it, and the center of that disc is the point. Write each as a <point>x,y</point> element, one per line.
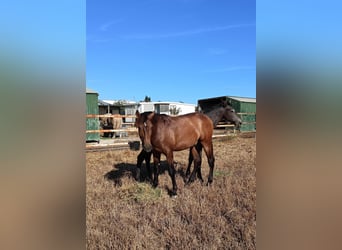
<point>171,50</point>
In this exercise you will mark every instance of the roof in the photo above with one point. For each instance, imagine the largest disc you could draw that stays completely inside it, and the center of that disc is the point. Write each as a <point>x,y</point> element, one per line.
<point>103,103</point>
<point>237,98</point>
<point>110,102</point>
<point>120,102</point>
<point>90,91</point>
<point>165,102</point>
<point>243,99</point>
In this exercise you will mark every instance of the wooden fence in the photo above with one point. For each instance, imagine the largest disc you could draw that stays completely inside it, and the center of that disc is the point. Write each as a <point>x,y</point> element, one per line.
<point>129,126</point>
<point>124,143</point>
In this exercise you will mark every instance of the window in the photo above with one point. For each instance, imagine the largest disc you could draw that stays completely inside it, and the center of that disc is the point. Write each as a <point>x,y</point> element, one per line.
<point>164,108</point>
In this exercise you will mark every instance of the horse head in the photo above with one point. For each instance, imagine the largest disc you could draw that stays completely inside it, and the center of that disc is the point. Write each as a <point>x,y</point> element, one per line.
<point>144,124</point>
<point>230,115</point>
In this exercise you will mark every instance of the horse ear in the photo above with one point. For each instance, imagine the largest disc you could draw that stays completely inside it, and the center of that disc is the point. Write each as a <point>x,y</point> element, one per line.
<point>137,114</point>
<point>224,103</point>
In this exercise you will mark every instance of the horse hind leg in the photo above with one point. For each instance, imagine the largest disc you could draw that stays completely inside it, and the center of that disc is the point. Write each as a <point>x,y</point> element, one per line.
<point>172,173</point>
<point>197,163</point>
<point>191,159</point>
<point>208,148</point>
<point>199,150</point>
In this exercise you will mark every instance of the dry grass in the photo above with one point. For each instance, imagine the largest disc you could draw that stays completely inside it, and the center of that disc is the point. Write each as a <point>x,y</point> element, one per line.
<point>125,214</point>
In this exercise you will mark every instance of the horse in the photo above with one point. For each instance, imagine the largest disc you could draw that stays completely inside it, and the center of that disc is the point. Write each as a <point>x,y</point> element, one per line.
<point>107,123</point>
<point>223,111</point>
<point>163,134</point>
<point>110,122</point>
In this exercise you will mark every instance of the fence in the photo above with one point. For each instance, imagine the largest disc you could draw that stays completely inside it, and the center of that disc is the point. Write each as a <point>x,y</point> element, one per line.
<point>129,126</point>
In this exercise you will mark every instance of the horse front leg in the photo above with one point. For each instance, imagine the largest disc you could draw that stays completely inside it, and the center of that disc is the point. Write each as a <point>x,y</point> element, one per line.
<point>172,173</point>
<point>140,159</point>
<point>156,166</point>
<point>148,166</point>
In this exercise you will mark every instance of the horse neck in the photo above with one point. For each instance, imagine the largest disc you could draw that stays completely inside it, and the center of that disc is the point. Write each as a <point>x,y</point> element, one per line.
<point>215,115</point>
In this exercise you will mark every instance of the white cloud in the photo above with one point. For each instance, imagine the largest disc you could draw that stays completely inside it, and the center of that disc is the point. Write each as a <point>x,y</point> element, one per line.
<point>216,51</point>
<point>186,33</point>
<point>229,69</point>
<point>105,26</point>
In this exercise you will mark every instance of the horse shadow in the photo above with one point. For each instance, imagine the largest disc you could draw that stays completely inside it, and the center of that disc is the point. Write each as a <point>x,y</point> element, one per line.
<point>119,171</point>
<point>122,170</point>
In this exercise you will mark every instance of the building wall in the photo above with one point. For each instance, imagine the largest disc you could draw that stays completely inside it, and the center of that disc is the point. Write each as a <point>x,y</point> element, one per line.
<point>146,107</point>
<point>249,120</point>
<point>164,107</point>
<point>185,108</point>
<point>92,123</point>
<point>130,110</point>
<point>103,110</point>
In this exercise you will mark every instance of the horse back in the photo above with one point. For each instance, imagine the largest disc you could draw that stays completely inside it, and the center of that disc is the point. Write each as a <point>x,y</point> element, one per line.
<point>181,132</point>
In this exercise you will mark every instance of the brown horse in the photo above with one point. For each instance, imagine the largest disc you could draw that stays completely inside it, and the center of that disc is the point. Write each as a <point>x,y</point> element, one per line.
<point>223,111</point>
<point>164,134</point>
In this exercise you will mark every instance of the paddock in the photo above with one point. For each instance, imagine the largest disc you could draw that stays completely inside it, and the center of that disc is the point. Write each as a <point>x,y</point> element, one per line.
<point>125,214</point>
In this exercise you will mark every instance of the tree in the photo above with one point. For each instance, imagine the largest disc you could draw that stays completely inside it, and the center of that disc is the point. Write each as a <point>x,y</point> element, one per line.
<point>174,110</point>
<point>147,98</point>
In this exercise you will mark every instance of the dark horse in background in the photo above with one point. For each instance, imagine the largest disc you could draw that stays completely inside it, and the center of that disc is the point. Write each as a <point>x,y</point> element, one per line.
<point>221,112</point>
<point>163,134</point>
<point>224,112</point>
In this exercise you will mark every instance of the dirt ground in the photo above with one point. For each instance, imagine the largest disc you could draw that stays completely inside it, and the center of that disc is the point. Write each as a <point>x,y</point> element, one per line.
<point>125,214</point>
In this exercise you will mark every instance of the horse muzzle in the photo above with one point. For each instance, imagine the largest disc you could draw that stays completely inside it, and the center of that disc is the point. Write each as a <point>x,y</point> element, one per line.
<point>238,124</point>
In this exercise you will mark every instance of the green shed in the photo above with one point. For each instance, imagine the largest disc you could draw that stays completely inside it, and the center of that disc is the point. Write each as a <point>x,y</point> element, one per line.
<point>92,109</point>
<point>244,106</point>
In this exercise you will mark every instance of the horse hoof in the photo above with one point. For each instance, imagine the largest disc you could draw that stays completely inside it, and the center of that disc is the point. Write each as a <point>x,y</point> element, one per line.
<point>173,194</point>
<point>190,180</point>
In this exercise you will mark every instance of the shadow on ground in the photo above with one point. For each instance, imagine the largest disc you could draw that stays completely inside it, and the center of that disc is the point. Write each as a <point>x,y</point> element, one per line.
<point>122,170</point>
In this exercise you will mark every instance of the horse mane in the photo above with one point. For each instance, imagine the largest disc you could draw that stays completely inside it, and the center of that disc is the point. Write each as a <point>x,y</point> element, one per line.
<point>166,119</point>
<point>156,117</point>
<point>215,115</point>
<point>145,115</point>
